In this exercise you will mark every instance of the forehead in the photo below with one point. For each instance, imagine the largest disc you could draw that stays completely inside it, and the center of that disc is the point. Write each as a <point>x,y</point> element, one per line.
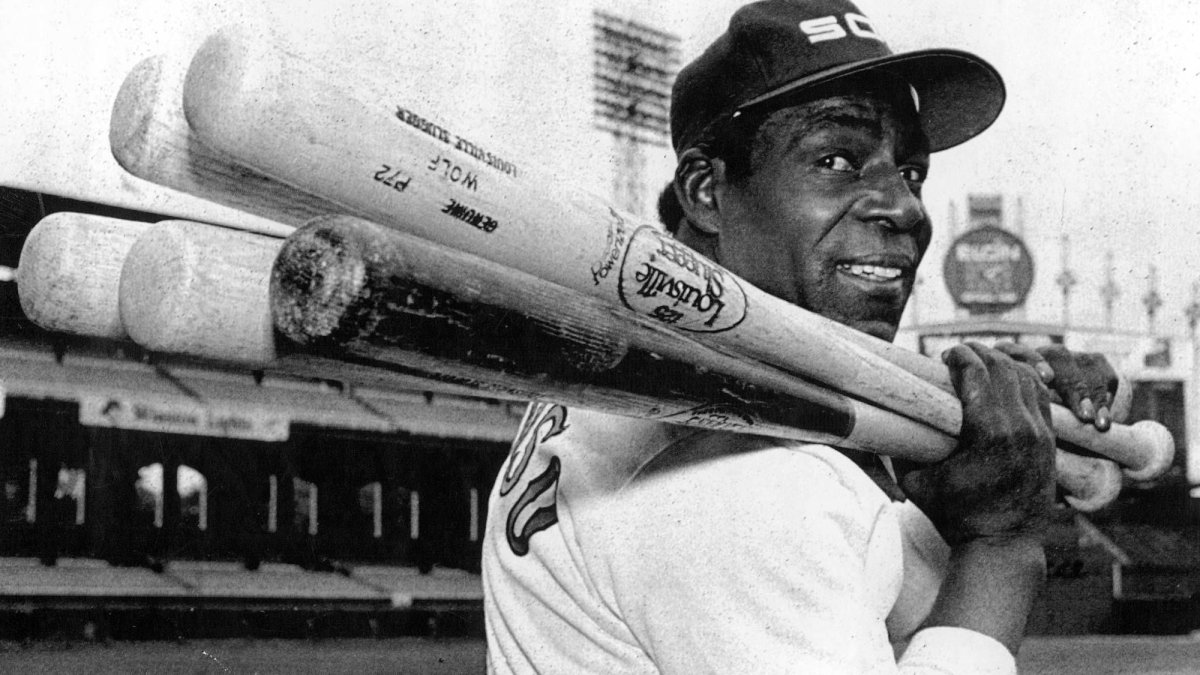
<point>871,111</point>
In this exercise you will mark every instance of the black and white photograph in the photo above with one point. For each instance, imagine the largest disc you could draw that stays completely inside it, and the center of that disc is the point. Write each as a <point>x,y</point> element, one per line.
<point>600,336</point>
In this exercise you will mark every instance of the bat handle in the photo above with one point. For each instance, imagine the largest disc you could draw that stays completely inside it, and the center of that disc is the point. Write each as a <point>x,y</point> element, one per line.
<point>1145,449</point>
<point>1091,483</point>
<point>1122,401</point>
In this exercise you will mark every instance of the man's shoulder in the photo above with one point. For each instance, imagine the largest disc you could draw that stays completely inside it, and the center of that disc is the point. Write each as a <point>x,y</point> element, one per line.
<point>602,453</point>
<point>598,452</point>
<point>753,458</point>
<point>734,501</point>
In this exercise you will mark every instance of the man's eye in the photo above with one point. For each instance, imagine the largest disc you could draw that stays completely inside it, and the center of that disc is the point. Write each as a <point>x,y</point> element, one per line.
<point>914,174</point>
<point>837,163</point>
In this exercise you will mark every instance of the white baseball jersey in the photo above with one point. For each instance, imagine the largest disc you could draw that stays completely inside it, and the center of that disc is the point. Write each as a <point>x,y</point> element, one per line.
<point>616,545</point>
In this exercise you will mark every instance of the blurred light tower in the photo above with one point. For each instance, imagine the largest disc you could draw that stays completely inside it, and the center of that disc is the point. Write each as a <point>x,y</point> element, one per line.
<point>634,67</point>
<point>1066,279</point>
<point>1152,301</point>
<point>1109,292</point>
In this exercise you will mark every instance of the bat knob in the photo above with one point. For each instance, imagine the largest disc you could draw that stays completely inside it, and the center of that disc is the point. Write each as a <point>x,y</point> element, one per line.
<point>1091,483</point>
<point>1159,447</point>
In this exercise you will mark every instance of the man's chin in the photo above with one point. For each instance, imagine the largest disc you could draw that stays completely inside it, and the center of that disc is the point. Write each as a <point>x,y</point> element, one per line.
<point>881,328</point>
<point>877,314</point>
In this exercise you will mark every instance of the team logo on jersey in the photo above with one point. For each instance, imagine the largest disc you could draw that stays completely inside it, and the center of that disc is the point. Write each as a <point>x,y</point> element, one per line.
<point>542,418</point>
<point>535,509</point>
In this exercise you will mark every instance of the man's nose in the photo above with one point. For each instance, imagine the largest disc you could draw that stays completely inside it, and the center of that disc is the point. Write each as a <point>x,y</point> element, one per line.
<point>890,201</point>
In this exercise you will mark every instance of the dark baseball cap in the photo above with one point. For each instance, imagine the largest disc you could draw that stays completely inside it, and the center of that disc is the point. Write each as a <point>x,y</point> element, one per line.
<point>775,48</point>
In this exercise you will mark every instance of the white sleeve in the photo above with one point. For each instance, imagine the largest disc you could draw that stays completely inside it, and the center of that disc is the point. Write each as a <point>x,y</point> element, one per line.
<point>940,650</point>
<point>945,650</point>
<point>926,557</point>
<point>768,561</point>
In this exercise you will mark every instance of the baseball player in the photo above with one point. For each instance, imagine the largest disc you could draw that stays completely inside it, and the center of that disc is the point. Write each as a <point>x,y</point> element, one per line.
<point>629,546</point>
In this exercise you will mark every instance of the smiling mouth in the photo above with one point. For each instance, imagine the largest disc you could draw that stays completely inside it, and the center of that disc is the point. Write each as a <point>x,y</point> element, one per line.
<point>881,273</point>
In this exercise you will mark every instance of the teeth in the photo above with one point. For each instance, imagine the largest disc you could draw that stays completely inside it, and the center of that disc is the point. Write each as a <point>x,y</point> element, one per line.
<point>873,271</point>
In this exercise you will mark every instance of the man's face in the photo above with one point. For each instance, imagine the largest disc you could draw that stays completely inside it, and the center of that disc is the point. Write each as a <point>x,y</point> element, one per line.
<point>830,216</point>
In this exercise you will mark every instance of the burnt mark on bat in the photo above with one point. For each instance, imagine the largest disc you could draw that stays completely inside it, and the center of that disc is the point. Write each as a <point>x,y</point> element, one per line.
<point>311,300</point>
<point>716,416</point>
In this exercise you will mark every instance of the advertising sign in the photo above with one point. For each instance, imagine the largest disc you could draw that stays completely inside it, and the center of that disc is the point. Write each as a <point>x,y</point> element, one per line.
<point>988,271</point>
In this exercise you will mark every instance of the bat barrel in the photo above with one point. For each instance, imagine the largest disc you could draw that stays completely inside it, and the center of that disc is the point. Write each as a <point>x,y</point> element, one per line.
<point>69,272</point>
<point>197,289</point>
<point>150,139</point>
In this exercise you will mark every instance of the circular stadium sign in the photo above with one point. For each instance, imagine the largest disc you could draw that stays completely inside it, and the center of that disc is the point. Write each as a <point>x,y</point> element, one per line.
<point>988,271</point>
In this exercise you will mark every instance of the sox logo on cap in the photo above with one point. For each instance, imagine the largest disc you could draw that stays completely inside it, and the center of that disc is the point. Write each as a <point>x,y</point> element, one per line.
<point>828,28</point>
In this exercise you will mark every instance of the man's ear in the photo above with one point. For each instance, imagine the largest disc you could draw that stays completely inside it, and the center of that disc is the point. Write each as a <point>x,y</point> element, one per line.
<point>696,178</point>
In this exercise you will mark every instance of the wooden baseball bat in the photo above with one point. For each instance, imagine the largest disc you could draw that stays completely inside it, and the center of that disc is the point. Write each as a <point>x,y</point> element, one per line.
<point>184,292</point>
<point>195,289</point>
<point>350,285</point>
<point>346,284</point>
<point>201,291</point>
<point>192,288</point>
<point>283,117</point>
<point>69,271</point>
<point>150,139</point>
<point>69,280</point>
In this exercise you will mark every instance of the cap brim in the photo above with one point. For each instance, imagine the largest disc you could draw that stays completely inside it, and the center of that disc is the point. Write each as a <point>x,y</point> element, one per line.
<point>959,94</point>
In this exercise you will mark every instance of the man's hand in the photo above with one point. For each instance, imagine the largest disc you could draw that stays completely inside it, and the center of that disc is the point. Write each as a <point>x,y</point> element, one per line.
<point>1084,382</point>
<point>1000,481</point>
